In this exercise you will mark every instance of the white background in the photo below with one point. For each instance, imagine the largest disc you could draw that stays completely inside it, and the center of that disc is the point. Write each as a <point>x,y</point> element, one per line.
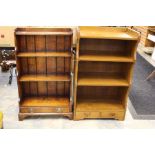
<point>74,13</point>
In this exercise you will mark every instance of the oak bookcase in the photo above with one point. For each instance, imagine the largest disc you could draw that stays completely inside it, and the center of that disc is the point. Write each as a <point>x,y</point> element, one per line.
<point>45,65</point>
<point>103,71</point>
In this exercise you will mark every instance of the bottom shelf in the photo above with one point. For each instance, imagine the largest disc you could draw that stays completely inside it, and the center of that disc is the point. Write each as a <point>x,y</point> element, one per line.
<point>99,105</point>
<point>45,101</point>
<point>109,109</point>
<point>45,105</point>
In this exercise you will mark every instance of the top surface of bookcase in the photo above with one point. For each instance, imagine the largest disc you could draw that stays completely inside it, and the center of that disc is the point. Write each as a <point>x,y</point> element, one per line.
<point>43,31</point>
<point>108,33</point>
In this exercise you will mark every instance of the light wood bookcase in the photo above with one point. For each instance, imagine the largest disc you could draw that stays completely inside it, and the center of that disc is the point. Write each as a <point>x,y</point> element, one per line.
<point>103,70</point>
<point>45,65</point>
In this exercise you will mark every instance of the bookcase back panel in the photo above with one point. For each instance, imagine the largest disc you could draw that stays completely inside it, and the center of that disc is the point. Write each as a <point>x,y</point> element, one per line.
<point>43,43</point>
<point>107,68</point>
<point>21,43</point>
<point>38,89</point>
<point>106,46</point>
<point>43,65</point>
<point>97,93</point>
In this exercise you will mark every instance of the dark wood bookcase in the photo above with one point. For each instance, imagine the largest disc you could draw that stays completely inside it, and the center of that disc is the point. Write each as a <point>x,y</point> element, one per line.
<point>45,65</point>
<point>103,71</point>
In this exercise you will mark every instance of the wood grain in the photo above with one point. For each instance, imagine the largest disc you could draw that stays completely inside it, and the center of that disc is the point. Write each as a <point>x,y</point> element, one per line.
<point>103,71</point>
<point>44,64</point>
<point>36,78</point>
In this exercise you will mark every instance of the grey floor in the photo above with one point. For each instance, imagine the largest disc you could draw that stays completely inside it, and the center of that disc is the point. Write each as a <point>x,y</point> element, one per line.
<point>142,90</point>
<point>9,107</point>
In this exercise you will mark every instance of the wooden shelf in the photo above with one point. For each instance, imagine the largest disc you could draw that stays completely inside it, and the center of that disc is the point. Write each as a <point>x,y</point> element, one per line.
<point>26,78</point>
<point>103,70</point>
<point>99,105</point>
<point>45,102</point>
<point>101,80</point>
<point>44,54</point>
<point>44,64</point>
<point>43,31</point>
<point>99,32</point>
<point>102,57</point>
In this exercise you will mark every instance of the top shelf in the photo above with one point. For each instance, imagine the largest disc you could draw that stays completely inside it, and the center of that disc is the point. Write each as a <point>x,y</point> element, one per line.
<point>118,33</point>
<point>152,30</point>
<point>43,31</point>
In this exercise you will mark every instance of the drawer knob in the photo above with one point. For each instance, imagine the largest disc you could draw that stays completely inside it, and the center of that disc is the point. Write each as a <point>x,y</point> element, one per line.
<point>112,114</point>
<point>86,114</point>
<point>31,110</point>
<point>58,109</point>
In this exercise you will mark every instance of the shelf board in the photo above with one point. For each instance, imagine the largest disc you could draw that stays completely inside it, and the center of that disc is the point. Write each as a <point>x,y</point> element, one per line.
<point>43,31</point>
<point>44,54</point>
<point>117,33</point>
<point>98,105</point>
<point>102,57</point>
<point>26,78</point>
<point>101,80</point>
<point>45,102</point>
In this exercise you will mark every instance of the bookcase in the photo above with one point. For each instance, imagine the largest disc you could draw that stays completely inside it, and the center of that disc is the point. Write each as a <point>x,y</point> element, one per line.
<point>45,65</point>
<point>103,70</point>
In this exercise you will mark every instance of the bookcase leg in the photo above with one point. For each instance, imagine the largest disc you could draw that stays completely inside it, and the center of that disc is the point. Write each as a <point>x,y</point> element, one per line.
<point>120,118</point>
<point>70,117</point>
<point>78,118</point>
<point>21,117</point>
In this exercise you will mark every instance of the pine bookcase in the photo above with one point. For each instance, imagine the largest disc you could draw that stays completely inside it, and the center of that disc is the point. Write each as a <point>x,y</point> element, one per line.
<point>45,65</point>
<point>103,70</point>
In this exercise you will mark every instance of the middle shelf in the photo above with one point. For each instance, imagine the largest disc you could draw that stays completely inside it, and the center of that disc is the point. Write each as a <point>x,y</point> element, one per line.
<point>90,79</point>
<point>44,54</point>
<point>102,57</point>
<point>58,77</point>
<point>91,73</point>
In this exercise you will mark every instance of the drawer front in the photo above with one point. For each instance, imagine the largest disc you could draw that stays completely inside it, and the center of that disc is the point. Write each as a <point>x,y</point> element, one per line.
<point>105,114</point>
<point>43,110</point>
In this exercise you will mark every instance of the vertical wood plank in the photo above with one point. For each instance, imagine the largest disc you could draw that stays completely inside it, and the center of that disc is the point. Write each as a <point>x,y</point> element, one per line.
<point>30,43</point>
<point>41,65</point>
<point>60,65</point>
<point>42,90</point>
<point>67,89</point>
<point>33,88</point>
<point>26,89</point>
<point>60,88</point>
<point>67,65</point>
<point>51,88</point>
<point>60,43</point>
<point>31,64</point>
<point>51,43</point>
<point>51,46</point>
<point>67,42</point>
<point>24,66</point>
<point>51,65</point>
<point>40,45</point>
<point>31,48</point>
<point>21,43</point>
<point>40,61</point>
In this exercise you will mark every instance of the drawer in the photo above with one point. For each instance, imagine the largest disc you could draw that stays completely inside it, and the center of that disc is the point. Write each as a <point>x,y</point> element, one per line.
<point>44,110</point>
<point>105,114</point>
